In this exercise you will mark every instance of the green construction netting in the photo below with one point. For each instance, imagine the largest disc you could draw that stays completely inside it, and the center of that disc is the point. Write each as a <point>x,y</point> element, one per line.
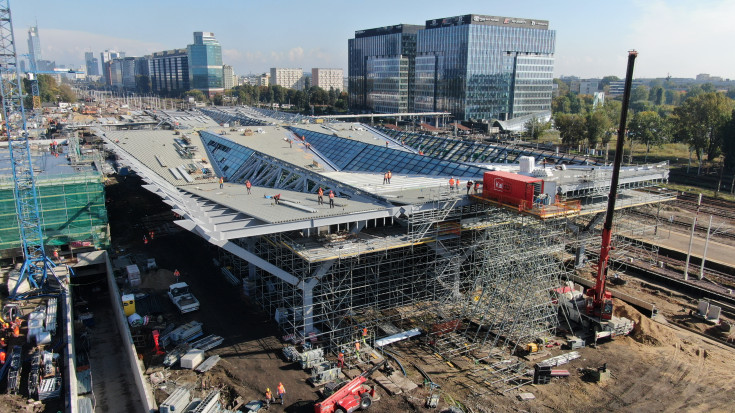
<point>72,210</point>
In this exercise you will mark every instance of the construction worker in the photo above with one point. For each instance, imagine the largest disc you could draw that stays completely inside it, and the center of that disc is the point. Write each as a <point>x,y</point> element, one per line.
<point>221,182</point>
<point>331,199</point>
<point>248,185</point>
<point>390,175</point>
<point>386,144</point>
<point>281,391</point>
<point>469,186</point>
<point>477,187</point>
<point>2,357</point>
<point>277,198</point>
<point>56,255</point>
<point>151,234</point>
<point>341,359</point>
<point>385,178</point>
<point>451,184</point>
<point>177,274</point>
<point>16,330</point>
<point>145,240</point>
<point>357,349</point>
<point>3,344</point>
<point>364,335</point>
<point>320,196</point>
<point>268,398</point>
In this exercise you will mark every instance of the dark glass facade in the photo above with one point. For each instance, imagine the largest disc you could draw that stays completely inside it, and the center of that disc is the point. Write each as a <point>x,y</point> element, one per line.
<point>473,66</point>
<point>169,71</point>
<point>205,64</point>
<point>380,68</point>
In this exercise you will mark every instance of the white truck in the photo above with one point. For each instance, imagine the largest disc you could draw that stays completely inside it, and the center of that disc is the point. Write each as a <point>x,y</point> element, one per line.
<point>182,298</point>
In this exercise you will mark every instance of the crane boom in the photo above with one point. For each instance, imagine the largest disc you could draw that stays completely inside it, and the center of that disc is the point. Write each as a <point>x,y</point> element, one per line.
<point>36,265</point>
<point>601,300</point>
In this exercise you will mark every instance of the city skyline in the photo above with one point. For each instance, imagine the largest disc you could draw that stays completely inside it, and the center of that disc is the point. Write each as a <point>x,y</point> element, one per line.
<point>592,39</point>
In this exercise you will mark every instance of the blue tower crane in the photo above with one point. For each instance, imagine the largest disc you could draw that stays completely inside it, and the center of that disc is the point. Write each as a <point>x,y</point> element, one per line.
<point>36,266</point>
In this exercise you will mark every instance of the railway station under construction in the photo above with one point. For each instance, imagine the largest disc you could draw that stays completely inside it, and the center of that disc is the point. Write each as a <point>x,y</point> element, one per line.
<point>472,266</point>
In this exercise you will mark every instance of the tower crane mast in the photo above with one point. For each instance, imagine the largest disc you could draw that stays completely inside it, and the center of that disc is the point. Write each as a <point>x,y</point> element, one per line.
<point>37,265</point>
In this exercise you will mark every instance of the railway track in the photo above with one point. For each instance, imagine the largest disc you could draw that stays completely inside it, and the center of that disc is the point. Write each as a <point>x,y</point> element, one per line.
<point>685,225</point>
<point>711,206</point>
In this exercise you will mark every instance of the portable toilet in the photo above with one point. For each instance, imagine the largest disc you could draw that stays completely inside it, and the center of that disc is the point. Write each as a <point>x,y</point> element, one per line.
<point>128,301</point>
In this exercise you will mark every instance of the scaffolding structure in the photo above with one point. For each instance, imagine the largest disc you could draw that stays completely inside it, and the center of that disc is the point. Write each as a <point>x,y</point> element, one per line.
<point>72,210</point>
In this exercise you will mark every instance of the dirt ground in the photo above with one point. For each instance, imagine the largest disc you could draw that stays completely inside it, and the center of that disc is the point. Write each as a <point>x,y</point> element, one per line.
<point>657,368</point>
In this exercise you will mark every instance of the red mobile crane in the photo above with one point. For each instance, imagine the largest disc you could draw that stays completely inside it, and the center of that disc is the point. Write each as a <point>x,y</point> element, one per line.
<point>599,300</point>
<point>350,397</point>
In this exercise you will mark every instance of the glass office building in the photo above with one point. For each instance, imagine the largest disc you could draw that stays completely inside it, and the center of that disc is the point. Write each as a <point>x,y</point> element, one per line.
<point>380,68</point>
<point>169,72</point>
<point>205,64</point>
<point>473,66</point>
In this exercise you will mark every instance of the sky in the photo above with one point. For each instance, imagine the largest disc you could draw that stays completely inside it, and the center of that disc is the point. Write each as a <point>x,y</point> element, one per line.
<point>680,38</point>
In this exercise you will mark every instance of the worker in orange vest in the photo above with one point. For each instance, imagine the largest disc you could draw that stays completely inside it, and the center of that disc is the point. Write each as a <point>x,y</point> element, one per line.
<point>281,391</point>
<point>277,198</point>
<point>221,182</point>
<point>477,187</point>
<point>451,184</point>
<point>16,330</point>
<point>3,344</point>
<point>364,335</point>
<point>357,349</point>
<point>177,274</point>
<point>385,178</point>
<point>268,398</point>
<point>390,175</point>
<point>248,185</point>
<point>56,255</point>
<point>320,196</point>
<point>2,358</point>
<point>341,359</point>
<point>331,199</point>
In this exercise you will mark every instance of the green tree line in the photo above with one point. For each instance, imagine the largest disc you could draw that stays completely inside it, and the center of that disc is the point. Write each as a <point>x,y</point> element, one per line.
<point>701,118</point>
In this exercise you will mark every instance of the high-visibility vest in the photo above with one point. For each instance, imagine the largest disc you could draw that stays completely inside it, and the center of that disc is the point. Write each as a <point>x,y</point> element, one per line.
<point>331,195</point>
<point>281,389</point>
<point>390,174</point>
<point>321,192</point>
<point>247,184</point>
<point>451,182</point>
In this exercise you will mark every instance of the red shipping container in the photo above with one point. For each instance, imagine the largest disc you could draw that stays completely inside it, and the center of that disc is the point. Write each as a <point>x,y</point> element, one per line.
<point>510,188</point>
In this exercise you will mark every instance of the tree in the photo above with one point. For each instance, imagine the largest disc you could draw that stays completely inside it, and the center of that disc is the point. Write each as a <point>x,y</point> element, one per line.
<point>606,81</point>
<point>197,94</point>
<point>698,122</point>
<point>728,146</point>
<point>597,124</point>
<point>647,128</point>
<point>639,93</point>
<point>571,128</point>
<point>535,127</point>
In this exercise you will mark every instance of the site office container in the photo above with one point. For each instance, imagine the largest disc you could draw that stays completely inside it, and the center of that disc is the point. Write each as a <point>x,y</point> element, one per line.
<point>512,189</point>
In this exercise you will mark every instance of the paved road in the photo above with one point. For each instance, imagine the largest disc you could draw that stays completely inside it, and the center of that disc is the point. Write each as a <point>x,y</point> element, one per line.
<point>716,251</point>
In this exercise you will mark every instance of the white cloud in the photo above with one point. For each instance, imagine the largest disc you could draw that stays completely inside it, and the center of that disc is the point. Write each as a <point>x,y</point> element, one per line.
<point>69,46</point>
<point>296,55</point>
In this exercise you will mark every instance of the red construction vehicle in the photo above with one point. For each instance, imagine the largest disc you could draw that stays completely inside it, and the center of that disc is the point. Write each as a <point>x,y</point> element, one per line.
<point>352,396</point>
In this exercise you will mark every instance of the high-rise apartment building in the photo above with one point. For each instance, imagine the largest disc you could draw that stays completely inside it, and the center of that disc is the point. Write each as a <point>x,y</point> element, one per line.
<point>205,64</point>
<point>228,77</point>
<point>474,66</point>
<point>288,78</point>
<point>169,71</point>
<point>93,65</point>
<point>327,78</point>
<point>34,47</point>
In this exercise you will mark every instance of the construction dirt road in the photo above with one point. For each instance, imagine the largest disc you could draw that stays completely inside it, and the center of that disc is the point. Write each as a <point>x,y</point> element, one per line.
<point>658,368</point>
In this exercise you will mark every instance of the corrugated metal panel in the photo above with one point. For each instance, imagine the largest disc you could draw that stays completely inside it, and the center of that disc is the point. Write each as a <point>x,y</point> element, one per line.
<point>84,381</point>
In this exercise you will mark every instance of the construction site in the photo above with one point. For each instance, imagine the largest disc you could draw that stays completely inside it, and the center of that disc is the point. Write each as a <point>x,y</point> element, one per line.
<point>449,273</point>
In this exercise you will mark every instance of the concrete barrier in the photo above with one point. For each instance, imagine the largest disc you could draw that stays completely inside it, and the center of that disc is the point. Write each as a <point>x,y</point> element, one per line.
<point>136,366</point>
